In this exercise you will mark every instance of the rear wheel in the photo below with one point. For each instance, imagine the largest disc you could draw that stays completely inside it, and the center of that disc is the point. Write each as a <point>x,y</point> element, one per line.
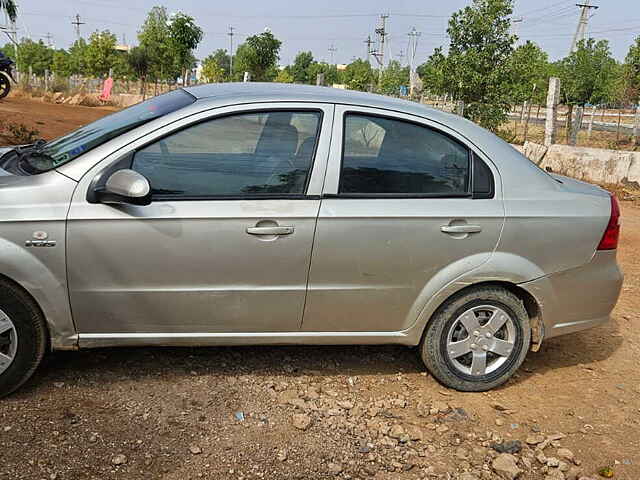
<point>5,86</point>
<point>23,337</point>
<point>477,340</point>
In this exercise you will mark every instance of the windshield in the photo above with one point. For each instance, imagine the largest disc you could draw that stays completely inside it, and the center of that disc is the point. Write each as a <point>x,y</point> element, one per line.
<point>66,148</point>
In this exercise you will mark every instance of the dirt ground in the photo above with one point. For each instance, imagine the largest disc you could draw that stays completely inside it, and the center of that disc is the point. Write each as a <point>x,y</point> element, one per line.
<point>325,412</point>
<point>49,119</point>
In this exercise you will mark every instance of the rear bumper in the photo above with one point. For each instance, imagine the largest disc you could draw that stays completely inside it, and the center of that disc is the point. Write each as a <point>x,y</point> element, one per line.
<point>578,298</point>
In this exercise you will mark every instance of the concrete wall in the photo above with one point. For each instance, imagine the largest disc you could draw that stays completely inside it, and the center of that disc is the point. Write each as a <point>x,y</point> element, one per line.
<point>590,164</point>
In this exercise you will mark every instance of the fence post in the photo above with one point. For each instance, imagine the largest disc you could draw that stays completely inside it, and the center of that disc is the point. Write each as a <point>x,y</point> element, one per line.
<point>618,129</point>
<point>524,109</point>
<point>320,79</point>
<point>575,127</point>
<point>247,77</point>
<point>553,98</point>
<point>591,118</point>
<point>30,76</point>
<point>636,125</point>
<point>46,80</point>
<point>526,122</point>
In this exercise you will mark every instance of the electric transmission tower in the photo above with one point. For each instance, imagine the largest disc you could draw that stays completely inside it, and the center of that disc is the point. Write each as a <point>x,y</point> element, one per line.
<point>230,50</point>
<point>414,35</point>
<point>581,30</point>
<point>381,32</point>
<point>332,51</point>
<point>77,24</point>
<point>368,42</point>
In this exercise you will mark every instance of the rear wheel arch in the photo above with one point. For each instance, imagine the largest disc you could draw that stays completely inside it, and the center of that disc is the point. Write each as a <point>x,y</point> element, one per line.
<point>479,336</point>
<point>530,303</point>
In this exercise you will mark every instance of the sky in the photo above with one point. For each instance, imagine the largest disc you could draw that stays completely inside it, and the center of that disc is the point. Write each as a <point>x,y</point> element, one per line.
<point>317,26</point>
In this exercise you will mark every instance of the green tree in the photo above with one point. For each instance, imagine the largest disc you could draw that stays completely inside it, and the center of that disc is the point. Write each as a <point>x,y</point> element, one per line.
<point>284,76</point>
<point>529,67</point>
<point>359,75</point>
<point>184,37</point>
<point>212,71</point>
<point>259,56</point>
<point>433,73</point>
<point>330,73</point>
<point>140,64</point>
<point>35,55</point>
<point>61,64</point>
<point>101,53</point>
<point>588,74</point>
<point>300,67</point>
<point>222,58</point>
<point>630,78</point>
<point>78,57</point>
<point>154,37</point>
<point>393,77</point>
<point>477,68</point>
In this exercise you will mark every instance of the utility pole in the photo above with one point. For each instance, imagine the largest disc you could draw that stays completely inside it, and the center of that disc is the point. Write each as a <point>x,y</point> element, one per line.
<point>332,50</point>
<point>49,38</point>
<point>581,30</point>
<point>381,32</point>
<point>230,50</point>
<point>368,42</point>
<point>514,22</point>
<point>414,35</point>
<point>77,24</point>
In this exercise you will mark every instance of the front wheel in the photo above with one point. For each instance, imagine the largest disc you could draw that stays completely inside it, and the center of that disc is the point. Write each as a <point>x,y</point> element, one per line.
<point>5,85</point>
<point>477,339</point>
<point>23,337</point>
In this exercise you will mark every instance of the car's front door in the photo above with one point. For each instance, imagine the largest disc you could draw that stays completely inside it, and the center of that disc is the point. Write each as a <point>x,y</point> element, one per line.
<point>225,244</point>
<point>407,205</point>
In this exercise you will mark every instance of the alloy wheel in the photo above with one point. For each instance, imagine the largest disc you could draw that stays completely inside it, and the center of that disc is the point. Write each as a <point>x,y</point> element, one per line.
<point>8,341</point>
<point>481,340</point>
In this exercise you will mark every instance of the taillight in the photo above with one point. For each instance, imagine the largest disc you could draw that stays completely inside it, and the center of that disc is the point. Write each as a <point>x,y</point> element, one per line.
<point>612,233</point>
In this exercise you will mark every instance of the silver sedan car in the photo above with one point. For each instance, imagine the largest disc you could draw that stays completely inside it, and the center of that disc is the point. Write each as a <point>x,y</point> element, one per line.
<point>238,214</point>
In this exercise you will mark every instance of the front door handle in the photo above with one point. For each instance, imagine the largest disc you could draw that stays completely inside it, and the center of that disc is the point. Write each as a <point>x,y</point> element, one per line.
<point>461,228</point>
<point>276,230</point>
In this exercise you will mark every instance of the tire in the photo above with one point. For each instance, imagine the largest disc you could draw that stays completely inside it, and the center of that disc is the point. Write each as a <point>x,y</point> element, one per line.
<point>447,338</point>
<point>24,345</point>
<point>5,86</point>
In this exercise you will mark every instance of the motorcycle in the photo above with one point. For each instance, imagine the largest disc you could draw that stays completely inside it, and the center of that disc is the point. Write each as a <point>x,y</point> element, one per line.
<point>6,75</point>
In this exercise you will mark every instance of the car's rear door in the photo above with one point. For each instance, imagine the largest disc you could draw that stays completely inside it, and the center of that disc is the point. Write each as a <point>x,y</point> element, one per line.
<point>225,245</point>
<point>407,204</point>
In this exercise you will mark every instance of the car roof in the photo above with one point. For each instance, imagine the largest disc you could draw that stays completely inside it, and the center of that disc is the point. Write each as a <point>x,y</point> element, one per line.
<point>288,92</point>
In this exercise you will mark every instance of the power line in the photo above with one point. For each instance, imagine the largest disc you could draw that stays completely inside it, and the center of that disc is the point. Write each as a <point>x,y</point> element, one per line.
<point>546,8</point>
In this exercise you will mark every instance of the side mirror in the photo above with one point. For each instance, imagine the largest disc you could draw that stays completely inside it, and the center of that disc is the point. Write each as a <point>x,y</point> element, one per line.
<point>125,186</point>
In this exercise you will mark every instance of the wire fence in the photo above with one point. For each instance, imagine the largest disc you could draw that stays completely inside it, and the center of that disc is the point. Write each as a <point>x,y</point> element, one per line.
<point>596,126</point>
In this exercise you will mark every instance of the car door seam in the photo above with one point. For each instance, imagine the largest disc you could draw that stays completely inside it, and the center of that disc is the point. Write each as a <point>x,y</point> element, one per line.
<point>315,225</point>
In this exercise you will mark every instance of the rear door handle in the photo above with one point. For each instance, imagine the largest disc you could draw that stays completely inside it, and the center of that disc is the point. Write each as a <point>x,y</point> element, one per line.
<point>461,228</point>
<point>270,230</point>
